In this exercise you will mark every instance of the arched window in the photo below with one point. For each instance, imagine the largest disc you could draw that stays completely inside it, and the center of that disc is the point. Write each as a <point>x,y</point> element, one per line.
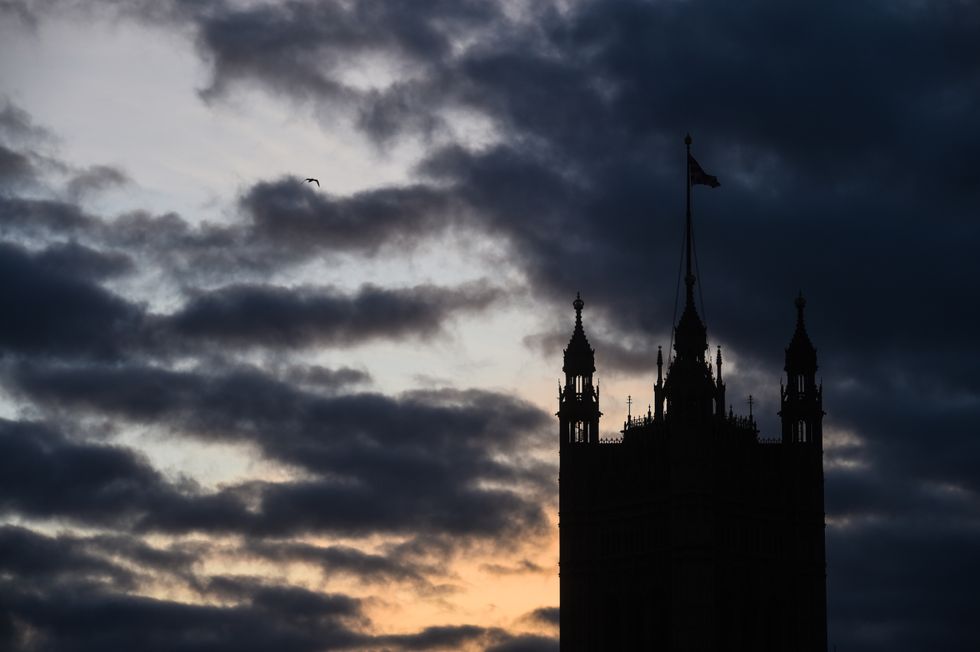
<point>800,383</point>
<point>801,433</point>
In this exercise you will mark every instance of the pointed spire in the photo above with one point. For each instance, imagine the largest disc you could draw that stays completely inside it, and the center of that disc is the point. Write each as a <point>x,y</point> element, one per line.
<point>718,364</point>
<point>660,364</point>
<point>801,354</point>
<point>579,356</point>
<point>692,337</point>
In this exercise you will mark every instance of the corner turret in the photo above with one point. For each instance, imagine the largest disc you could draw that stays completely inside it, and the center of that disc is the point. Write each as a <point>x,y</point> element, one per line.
<point>801,399</point>
<point>578,399</point>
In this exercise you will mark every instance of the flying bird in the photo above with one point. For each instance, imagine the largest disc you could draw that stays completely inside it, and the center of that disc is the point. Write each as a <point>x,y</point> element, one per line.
<point>312,180</point>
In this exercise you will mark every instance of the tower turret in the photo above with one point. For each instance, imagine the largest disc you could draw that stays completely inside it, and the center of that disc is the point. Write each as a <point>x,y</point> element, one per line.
<point>719,388</point>
<point>801,399</point>
<point>578,400</point>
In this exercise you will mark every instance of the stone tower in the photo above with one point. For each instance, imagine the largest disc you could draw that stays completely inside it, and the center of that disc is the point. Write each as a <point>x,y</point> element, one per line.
<point>690,532</point>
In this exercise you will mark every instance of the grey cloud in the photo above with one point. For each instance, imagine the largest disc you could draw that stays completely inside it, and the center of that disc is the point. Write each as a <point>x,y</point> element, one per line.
<point>292,213</point>
<point>413,463</point>
<point>322,377</point>
<point>545,615</point>
<point>522,567</point>
<point>16,124</point>
<point>295,317</point>
<point>95,179</point>
<point>612,356</point>
<point>15,168</point>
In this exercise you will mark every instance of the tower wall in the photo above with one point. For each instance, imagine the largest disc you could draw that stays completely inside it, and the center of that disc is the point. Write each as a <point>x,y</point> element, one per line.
<point>690,533</point>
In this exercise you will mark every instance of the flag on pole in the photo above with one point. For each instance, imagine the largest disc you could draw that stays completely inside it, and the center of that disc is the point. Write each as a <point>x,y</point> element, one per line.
<point>698,175</point>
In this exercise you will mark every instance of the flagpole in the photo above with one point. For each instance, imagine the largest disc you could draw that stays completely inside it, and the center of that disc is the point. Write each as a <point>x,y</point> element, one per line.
<point>689,279</point>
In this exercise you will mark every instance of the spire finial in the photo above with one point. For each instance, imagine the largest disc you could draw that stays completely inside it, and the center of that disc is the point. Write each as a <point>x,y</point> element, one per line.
<point>800,305</point>
<point>687,140</point>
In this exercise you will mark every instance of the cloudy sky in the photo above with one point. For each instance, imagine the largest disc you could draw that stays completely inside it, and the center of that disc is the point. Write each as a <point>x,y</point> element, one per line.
<point>239,411</point>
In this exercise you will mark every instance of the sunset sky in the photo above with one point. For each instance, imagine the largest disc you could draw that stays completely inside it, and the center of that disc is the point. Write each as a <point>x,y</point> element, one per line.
<point>239,411</point>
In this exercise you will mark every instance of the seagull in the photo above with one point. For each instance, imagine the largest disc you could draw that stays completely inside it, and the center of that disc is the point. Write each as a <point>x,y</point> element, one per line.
<point>312,180</point>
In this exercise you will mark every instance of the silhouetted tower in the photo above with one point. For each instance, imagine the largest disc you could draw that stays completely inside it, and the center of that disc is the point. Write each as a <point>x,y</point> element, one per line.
<point>801,405</point>
<point>801,410</point>
<point>690,389</point>
<point>691,533</point>
<point>578,400</point>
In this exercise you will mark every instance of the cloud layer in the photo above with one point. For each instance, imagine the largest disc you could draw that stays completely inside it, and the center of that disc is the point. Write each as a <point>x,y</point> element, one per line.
<point>844,137</point>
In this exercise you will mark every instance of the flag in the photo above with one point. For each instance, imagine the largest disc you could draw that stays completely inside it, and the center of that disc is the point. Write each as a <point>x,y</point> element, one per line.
<point>698,175</point>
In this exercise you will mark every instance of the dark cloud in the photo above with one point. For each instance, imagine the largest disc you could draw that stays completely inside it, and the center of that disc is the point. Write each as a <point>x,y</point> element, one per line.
<point>415,463</point>
<point>48,476</point>
<point>321,377</point>
<point>102,561</point>
<point>33,218</point>
<point>74,260</point>
<point>63,309</point>
<point>304,48</point>
<point>436,638</point>
<point>58,311</point>
<point>83,621</point>
<point>299,603</point>
<point>526,643</point>
<point>926,572</point>
<point>520,568</point>
<point>545,615</point>
<point>66,593</point>
<point>95,179</point>
<point>295,317</point>
<point>591,66</point>
<point>54,562</point>
<point>294,214</point>
<point>372,568</point>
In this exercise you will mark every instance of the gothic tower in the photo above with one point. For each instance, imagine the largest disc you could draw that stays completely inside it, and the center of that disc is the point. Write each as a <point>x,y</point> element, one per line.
<point>689,532</point>
<point>801,412</point>
<point>578,400</point>
<point>801,399</point>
